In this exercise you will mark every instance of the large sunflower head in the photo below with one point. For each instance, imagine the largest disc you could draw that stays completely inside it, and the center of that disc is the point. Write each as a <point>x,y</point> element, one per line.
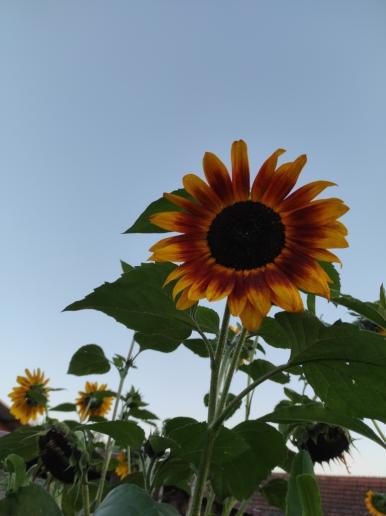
<point>30,397</point>
<point>92,402</point>
<point>256,244</point>
<point>376,503</point>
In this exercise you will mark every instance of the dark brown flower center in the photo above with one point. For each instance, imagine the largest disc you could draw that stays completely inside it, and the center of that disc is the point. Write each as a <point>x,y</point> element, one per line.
<point>246,235</point>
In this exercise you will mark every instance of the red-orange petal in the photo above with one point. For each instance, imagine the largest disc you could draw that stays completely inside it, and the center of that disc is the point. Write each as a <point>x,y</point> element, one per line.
<point>265,175</point>
<point>284,293</point>
<point>218,178</point>
<point>205,195</point>
<point>303,195</point>
<point>187,205</point>
<point>323,211</point>
<point>251,318</point>
<point>240,170</point>
<point>179,221</point>
<point>283,181</point>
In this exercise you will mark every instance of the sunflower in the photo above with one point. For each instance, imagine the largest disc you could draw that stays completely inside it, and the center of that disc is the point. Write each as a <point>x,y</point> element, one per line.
<point>376,503</point>
<point>256,245</point>
<point>122,470</point>
<point>29,399</point>
<point>92,402</point>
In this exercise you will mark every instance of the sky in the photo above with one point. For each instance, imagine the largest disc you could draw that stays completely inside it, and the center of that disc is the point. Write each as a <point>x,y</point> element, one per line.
<point>106,105</point>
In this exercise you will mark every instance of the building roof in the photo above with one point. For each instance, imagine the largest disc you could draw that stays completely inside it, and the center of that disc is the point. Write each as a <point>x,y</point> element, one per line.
<point>341,496</point>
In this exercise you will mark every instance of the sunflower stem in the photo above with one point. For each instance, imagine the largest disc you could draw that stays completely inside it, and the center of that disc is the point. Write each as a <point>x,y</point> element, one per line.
<point>202,475</point>
<point>110,442</point>
<point>85,497</point>
<point>232,368</point>
<point>249,396</point>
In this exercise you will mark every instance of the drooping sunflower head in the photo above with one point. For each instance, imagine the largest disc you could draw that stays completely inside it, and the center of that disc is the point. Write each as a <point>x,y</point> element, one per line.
<point>30,397</point>
<point>376,503</point>
<point>256,244</point>
<point>122,470</point>
<point>323,442</point>
<point>93,401</point>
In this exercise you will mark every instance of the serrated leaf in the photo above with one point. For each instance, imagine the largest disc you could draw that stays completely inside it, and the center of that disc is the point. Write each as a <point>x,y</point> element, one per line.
<point>140,302</point>
<point>143,224</point>
<point>126,433</point>
<point>89,359</point>
<point>126,267</point>
<point>142,414</point>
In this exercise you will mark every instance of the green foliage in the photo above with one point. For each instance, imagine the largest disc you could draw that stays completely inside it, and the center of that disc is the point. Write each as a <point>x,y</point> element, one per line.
<point>31,500</point>
<point>318,412</point>
<point>140,302</point>
<point>131,499</point>
<point>23,441</point>
<point>197,346</point>
<point>259,367</point>
<point>261,448</point>
<point>309,495</point>
<point>89,359</point>
<point>126,433</point>
<point>143,225</point>
<point>15,465</point>
<point>334,275</point>
<point>374,312</point>
<point>64,407</point>
<point>207,319</point>
<point>275,492</point>
<point>302,464</point>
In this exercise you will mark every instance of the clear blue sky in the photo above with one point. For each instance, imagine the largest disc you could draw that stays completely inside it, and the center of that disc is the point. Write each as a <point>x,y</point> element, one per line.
<point>105,105</point>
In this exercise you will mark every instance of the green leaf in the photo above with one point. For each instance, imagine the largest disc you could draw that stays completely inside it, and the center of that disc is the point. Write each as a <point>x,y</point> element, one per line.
<point>230,398</point>
<point>316,412</point>
<point>142,414</point>
<point>295,397</point>
<point>23,441</point>
<point>374,312</point>
<point>334,276</point>
<point>239,477</point>
<point>64,407</point>
<point>16,467</point>
<point>197,346</point>
<point>126,267</point>
<point>275,492</point>
<point>302,464</point>
<point>33,500</point>
<point>140,302</point>
<point>311,303</point>
<point>353,361</point>
<point>126,433</point>
<point>143,225</point>
<point>131,499</point>
<point>309,495</point>
<point>207,319</point>
<point>89,359</point>
<point>274,333</point>
<point>259,367</point>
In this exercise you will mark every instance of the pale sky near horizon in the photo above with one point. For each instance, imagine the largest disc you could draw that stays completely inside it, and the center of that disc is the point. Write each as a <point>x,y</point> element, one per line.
<point>106,105</point>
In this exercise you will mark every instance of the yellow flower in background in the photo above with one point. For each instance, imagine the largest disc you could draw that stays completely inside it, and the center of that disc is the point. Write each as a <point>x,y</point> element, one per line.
<point>92,402</point>
<point>122,470</point>
<point>375,502</point>
<point>256,244</point>
<point>29,399</point>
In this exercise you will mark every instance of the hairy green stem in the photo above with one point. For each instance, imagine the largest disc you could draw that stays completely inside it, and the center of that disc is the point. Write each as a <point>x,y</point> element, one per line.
<point>232,368</point>
<point>209,502</point>
<point>110,441</point>
<point>202,475</point>
<point>85,497</point>
<point>249,396</point>
<point>243,507</point>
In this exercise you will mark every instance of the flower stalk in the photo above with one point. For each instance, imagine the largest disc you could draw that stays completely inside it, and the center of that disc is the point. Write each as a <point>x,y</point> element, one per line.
<point>110,442</point>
